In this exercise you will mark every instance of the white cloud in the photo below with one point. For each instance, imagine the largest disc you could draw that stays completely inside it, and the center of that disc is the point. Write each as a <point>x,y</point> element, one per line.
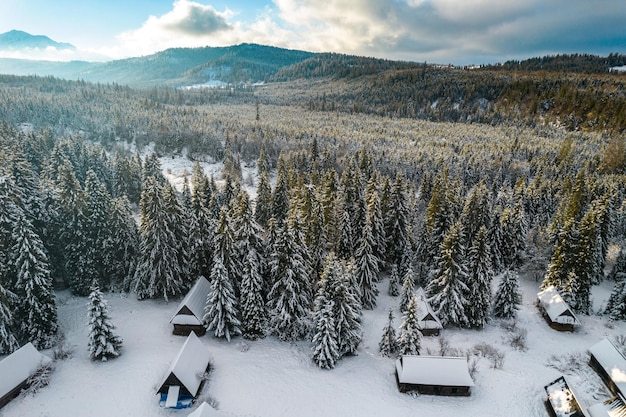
<point>457,31</point>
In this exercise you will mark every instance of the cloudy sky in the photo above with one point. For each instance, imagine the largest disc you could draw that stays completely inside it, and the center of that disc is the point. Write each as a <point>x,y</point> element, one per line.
<point>442,31</point>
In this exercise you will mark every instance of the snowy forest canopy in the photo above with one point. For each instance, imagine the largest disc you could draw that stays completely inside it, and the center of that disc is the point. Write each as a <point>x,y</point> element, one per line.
<point>340,199</point>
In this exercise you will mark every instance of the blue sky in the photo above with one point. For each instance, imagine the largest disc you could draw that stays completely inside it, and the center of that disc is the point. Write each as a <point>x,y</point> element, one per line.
<point>443,31</point>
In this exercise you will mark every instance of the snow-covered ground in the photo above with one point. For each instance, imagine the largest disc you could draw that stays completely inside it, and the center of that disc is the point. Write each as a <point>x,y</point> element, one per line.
<point>269,378</point>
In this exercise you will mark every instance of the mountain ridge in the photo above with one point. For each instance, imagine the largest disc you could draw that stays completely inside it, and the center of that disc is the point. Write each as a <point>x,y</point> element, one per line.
<point>20,40</point>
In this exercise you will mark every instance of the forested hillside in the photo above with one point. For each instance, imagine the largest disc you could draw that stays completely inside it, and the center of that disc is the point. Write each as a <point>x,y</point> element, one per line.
<point>341,198</point>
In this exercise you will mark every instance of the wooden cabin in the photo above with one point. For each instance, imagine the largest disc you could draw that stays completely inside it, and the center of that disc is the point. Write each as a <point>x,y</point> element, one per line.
<point>190,312</point>
<point>183,379</point>
<point>610,364</point>
<point>556,311</point>
<point>16,369</point>
<point>561,399</point>
<point>434,375</point>
<point>427,321</point>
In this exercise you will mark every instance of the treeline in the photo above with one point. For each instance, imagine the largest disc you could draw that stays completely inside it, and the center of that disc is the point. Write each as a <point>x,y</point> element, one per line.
<point>572,101</point>
<point>581,63</point>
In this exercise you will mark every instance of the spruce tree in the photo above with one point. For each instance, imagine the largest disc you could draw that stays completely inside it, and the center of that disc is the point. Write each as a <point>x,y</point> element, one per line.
<point>394,281</point>
<point>263,208</point>
<point>409,341</point>
<point>289,299</point>
<point>280,196</point>
<point>158,270</point>
<point>366,264</point>
<point>616,306</point>
<point>122,246</point>
<point>221,310</point>
<point>618,270</point>
<point>507,299</point>
<point>347,311</point>
<point>37,311</point>
<point>408,289</point>
<point>388,345</point>
<point>448,289</point>
<point>479,281</point>
<point>8,341</point>
<point>325,350</point>
<point>396,229</point>
<point>253,311</point>
<point>375,218</point>
<point>103,342</point>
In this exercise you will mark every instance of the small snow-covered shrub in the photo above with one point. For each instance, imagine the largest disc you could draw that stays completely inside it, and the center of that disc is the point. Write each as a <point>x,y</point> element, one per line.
<point>40,379</point>
<point>495,356</point>
<point>62,351</point>
<point>516,335</point>
<point>572,363</point>
<point>472,365</point>
<point>517,339</point>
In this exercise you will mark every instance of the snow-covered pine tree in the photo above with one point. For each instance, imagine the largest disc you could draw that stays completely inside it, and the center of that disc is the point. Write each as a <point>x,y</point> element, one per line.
<point>253,311</point>
<point>376,219</point>
<point>202,225</point>
<point>221,310</point>
<point>476,212</point>
<point>325,338</point>
<point>616,306</point>
<point>36,311</point>
<point>103,342</point>
<point>618,271</point>
<point>263,208</point>
<point>175,222</point>
<point>366,267</point>
<point>158,270</point>
<point>394,281</point>
<point>448,288</point>
<point>396,222</point>
<point>514,229</point>
<point>152,168</point>
<point>289,298</point>
<point>280,196</point>
<point>565,257</point>
<point>409,341</point>
<point>79,271</point>
<point>408,289</point>
<point>345,250</point>
<point>8,341</point>
<point>122,247</point>
<point>439,216</point>
<point>479,281</point>
<point>507,299</point>
<point>248,243</point>
<point>347,311</point>
<point>325,349</point>
<point>388,345</point>
<point>96,231</point>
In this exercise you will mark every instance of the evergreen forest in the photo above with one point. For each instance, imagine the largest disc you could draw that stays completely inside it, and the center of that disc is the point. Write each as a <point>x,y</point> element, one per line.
<point>440,178</point>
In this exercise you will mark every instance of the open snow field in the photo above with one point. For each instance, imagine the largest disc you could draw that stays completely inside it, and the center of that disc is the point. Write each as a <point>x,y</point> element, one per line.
<point>269,378</point>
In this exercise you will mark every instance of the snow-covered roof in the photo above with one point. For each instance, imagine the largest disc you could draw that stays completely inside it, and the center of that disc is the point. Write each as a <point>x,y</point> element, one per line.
<point>612,361</point>
<point>556,308</point>
<point>193,304</point>
<point>562,398</point>
<point>426,317</point>
<point>434,370</point>
<point>19,366</point>
<point>612,408</point>
<point>190,363</point>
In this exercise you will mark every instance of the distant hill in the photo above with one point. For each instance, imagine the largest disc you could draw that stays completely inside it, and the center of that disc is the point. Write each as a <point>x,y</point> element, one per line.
<point>173,67</point>
<point>18,40</point>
